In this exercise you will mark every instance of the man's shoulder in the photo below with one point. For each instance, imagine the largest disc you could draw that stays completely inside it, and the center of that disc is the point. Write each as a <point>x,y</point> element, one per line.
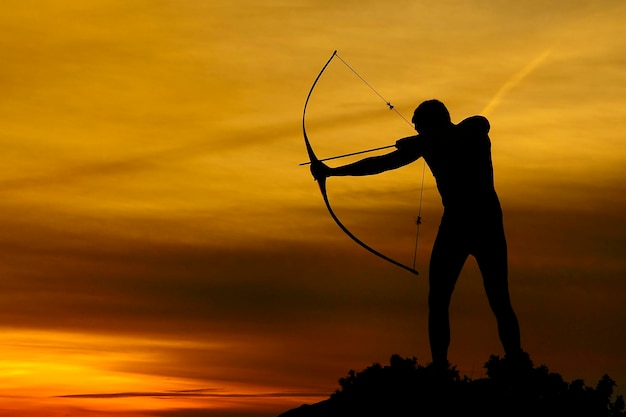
<point>476,124</point>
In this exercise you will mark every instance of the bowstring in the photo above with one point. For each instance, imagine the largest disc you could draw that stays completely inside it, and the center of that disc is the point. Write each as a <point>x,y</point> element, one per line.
<point>418,221</point>
<point>391,106</point>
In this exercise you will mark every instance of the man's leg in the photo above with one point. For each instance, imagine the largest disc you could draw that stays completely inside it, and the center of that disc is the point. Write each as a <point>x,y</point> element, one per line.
<point>491,257</point>
<point>446,262</point>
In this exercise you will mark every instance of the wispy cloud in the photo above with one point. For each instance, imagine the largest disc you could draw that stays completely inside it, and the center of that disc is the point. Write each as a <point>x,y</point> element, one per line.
<point>199,393</point>
<point>515,80</point>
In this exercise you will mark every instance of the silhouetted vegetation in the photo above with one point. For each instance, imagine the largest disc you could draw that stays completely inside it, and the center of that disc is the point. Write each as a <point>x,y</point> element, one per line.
<point>512,389</point>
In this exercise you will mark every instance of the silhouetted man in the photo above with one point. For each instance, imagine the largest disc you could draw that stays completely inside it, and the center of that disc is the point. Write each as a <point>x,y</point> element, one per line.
<point>459,157</point>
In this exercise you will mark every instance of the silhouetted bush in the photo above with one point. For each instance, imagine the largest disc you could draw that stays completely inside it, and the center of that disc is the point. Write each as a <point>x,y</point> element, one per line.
<point>512,388</point>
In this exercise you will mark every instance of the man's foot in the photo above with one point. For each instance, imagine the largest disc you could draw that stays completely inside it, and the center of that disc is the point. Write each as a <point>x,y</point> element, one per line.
<point>441,373</point>
<point>518,362</point>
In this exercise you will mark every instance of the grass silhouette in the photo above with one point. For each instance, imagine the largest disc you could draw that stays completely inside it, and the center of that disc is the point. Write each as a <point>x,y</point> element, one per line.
<point>405,388</point>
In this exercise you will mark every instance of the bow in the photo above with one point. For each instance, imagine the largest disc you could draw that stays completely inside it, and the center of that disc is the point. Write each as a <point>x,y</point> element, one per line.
<point>322,181</point>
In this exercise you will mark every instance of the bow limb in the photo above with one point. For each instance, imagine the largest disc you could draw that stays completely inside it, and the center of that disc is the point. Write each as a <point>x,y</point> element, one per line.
<point>312,157</point>
<point>322,183</point>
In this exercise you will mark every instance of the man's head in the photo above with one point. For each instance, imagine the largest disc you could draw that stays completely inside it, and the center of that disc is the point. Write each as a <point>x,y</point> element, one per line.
<point>431,116</point>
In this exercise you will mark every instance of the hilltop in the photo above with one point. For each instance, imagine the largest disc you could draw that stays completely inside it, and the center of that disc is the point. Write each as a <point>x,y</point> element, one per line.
<point>405,388</point>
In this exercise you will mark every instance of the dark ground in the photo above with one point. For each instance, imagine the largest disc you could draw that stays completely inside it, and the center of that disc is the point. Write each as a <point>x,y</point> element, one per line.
<point>405,388</point>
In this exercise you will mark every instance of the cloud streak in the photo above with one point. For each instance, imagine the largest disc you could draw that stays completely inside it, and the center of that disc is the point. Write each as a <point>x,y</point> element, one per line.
<point>515,81</point>
<point>200,393</point>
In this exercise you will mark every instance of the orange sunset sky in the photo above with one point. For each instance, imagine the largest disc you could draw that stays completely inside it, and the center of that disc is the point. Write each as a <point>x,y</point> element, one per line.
<point>163,254</point>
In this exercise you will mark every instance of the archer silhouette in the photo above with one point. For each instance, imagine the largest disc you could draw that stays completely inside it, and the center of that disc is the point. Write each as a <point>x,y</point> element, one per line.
<point>459,156</point>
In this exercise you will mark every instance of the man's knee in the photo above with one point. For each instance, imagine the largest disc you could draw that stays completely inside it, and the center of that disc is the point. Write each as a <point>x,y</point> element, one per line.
<point>438,303</point>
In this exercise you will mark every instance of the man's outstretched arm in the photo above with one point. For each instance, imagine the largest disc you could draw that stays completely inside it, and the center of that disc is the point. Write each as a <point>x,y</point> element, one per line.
<point>376,164</point>
<point>404,155</point>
